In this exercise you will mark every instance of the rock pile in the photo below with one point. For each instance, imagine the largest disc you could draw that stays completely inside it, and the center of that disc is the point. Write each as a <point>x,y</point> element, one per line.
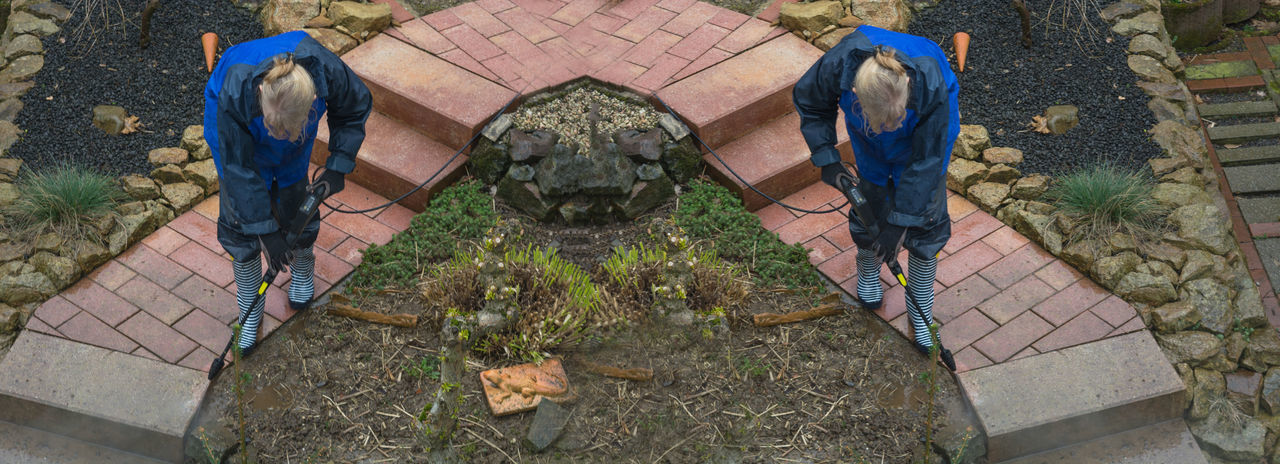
<point>338,25</point>
<point>824,22</point>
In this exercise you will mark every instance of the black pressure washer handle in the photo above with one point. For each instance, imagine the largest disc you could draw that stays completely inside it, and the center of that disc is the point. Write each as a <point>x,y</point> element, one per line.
<point>267,280</point>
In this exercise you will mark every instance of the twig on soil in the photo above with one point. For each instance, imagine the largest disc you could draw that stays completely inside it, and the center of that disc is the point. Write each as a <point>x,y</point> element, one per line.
<point>770,319</point>
<point>638,374</point>
<point>399,320</point>
<point>491,445</point>
<point>681,442</point>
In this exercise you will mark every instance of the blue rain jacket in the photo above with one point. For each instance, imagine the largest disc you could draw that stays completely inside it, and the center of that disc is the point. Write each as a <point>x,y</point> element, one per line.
<point>248,159</point>
<point>915,156</point>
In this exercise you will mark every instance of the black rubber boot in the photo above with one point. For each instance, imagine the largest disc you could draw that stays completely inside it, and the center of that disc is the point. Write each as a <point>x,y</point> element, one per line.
<point>944,355</point>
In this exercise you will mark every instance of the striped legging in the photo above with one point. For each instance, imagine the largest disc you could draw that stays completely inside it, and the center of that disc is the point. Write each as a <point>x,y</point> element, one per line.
<point>920,275</point>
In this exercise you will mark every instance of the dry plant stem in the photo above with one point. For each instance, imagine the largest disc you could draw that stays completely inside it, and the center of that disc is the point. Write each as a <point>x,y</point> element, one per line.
<point>398,320</point>
<point>638,374</point>
<point>1026,22</point>
<point>97,18</point>
<point>144,30</point>
<point>769,319</point>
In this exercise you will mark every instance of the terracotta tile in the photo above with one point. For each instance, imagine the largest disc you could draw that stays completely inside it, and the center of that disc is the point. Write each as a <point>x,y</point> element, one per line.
<point>209,208</point>
<point>966,329</point>
<point>1204,85</point>
<point>809,226</point>
<point>770,12</point>
<point>528,26</point>
<point>205,263</point>
<point>143,353</point>
<point>663,68</point>
<point>820,250</point>
<point>199,360</point>
<point>728,19</point>
<point>1013,337</point>
<point>154,300</point>
<point>442,20</point>
<point>618,74</point>
<point>774,216</point>
<point>100,302</point>
<point>396,217</point>
<point>1017,299</point>
<point>212,299</point>
<point>644,24</point>
<point>398,13</point>
<point>902,325</point>
<point>699,41</point>
<point>1025,353</point>
<point>971,229</point>
<point>1083,329</point>
<point>495,6</point>
<point>277,304</point>
<point>465,61</point>
<point>506,67</point>
<point>575,11</point>
<point>965,262</point>
<point>958,207</point>
<point>157,337</point>
<point>1006,240</point>
<point>543,8</point>
<point>651,48</point>
<point>895,300</point>
<point>961,297</point>
<point>708,59</point>
<point>557,26</point>
<point>164,240</point>
<point>330,268</point>
<point>351,250</point>
<point>198,228</point>
<point>629,9</point>
<point>204,329</point>
<point>329,237</point>
<point>56,310</point>
<point>969,359</point>
<point>1073,300</point>
<point>691,18</point>
<point>363,228</point>
<point>1265,230</point>
<point>840,267</point>
<point>1251,255</point>
<point>677,5</point>
<point>1133,325</point>
<point>840,237</point>
<point>36,325</point>
<point>1114,310</point>
<point>112,275</point>
<point>472,42</point>
<point>1059,274</point>
<point>88,329</point>
<point>1013,267</point>
<point>605,55</point>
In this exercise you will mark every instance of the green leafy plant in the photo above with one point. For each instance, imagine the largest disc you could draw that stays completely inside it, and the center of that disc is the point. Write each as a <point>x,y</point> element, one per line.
<point>67,199</point>
<point>427,366</point>
<point>1244,330</point>
<point>751,367</point>
<point>1104,199</point>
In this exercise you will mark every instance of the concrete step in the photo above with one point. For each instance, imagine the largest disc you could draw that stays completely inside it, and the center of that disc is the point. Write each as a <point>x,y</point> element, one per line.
<point>132,404</point>
<point>1253,179</point>
<point>773,158</point>
<point>1166,442</point>
<point>1241,133</point>
<point>1258,210</point>
<point>25,445</point>
<point>1069,396</point>
<point>443,101</point>
<point>732,98</point>
<point>1237,109</point>
<point>1249,155</point>
<point>394,159</point>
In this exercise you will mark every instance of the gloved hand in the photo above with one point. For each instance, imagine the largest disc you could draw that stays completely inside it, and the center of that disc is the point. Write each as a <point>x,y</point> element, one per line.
<point>830,173</point>
<point>279,256</point>
<point>888,240</point>
<point>333,181</point>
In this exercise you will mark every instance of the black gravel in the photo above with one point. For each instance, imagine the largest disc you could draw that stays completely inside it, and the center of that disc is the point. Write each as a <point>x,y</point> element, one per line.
<point>1004,85</point>
<point>163,85</point>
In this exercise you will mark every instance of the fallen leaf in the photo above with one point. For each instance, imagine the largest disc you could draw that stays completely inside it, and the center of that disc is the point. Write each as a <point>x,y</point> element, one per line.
<point>1199,101</point>
<point>131,125</point>
<point>1039,124</point>
<point>1121,97</point>
<point>1230,146</point>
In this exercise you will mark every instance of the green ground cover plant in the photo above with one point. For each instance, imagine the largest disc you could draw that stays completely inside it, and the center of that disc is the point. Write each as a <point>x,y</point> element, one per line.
<point>67,200</point>
<point>1104,199</point>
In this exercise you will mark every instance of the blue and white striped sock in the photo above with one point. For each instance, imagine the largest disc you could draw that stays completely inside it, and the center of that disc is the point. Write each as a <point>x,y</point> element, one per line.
<point>302,282</point>
<point>870,290</point>
<point>920,276</point>
<point>248,278</point>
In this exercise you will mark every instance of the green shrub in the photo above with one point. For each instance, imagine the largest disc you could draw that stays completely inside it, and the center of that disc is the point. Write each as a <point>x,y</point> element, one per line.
<point>65,199</point>
<point>1105,199</point>
<point>460,213</point>
<point>712,213</point>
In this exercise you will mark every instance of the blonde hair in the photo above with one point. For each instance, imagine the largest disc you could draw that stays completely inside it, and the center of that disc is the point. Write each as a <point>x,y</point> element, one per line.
<point>882,87</point>
<point>287,94</point>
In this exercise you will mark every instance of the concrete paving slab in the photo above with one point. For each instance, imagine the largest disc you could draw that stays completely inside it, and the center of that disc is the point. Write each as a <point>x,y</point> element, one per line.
<point>1269,250</point>
<point>1261,209</point>
<point>24,445</point>
<point>1241,133</point>
<point>1166,442</point>
<point>1249,155</point>
<point>1237,109</point>
<point>1054,399</point>
<point>1253,179</point>
<point>100,396</point>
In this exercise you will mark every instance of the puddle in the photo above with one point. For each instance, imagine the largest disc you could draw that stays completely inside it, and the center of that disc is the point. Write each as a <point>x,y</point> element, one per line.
<point>270,397</point>
<point>907,396</point>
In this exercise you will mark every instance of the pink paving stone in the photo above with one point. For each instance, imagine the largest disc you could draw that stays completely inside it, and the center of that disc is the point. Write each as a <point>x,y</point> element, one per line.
<point>495,6</point>
<point>277,304</point>
<point>677,5</point>
<point>198,228</point>
<point>521,49</point>
<point>351,250</point>
<point>157,337</point>
<point>100,302</point>
<point>1068,303</point>
<point>728,19</point>
<point>808,226</point>
<point>1015,300</point>
<point>652,47</point>
<point>774,216</point>
<point>708,59</point>
<point>206,263</point>
<point>1114,310</point>
<point>212,299</point>
<point>1059,275</point>
<point>1133,325</point>
<point>815,196</point>
<point>629,9</point>
<point>442,20</point>
<point>1005,240</point>
<point>154,300</point>
<point>398,12</point>
<point>1013,337</point>
<point>526,25</point>
<point>692,18</point>
<point>644,24</point>
<point>840,237</point>
<point>364,228</point>
<point>330,268</point>
<point>895,299</point>
<point>962,297</point>
<point>607,53</point>
<point>958,207</point>
<point>662,70</point>
<point>143,353</point>
<point>164,240</point>
<point>618,74</point>
<point>771,12</point>
<point>575,11</point>
<point>841,267</point>
<point>604,22</point>
<point>88,329</point>
<point>208,208</point>
<point>971,229</point>
<point>425,38</point>
<point>966,329</point>
<point>964,263</point>
<point>1013,267</point>
<point>465,61</point>
<point>504,66</point>
<point>472,42</point>
<point>543,8</point>
<point>969,359</point>
<point>774,33</point>
<point>479,19</point>
<point>396,217</point>
<point>747,34</point>
<point>204,329</point>
<point>56,310</point>
<point>820,250</point>
<point>329,237</point>
<point>37,325</point>
<point>112,275</point>
<point>698,41</point>
<point>199,360</point>
<point>902,324</point>
<point>1265,230</point>
<point>1083,329</point>
<point>557,26</point>
<point>1025,353</point>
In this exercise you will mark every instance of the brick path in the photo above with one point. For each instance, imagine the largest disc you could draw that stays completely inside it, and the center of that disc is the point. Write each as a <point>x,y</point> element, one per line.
<point>1259,235</point>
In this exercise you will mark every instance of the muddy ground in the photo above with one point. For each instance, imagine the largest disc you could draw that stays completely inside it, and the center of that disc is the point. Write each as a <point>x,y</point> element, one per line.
<point>846,388</point>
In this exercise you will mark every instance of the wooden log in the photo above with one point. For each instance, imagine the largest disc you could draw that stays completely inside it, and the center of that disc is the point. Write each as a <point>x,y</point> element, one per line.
<point>770,319</point>
<point>638,374</point>
<point>399,320</point>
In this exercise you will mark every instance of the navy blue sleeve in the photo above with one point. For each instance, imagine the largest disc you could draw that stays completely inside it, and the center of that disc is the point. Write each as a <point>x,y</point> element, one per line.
<point>817,98</point>
<point>349,104</point>
<point>929,151</point>
<point>240,178</point>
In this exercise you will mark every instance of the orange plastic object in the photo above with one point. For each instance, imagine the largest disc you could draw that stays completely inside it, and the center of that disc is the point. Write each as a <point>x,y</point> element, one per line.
<point>210,42</point>
<point>961,41</point>
<point>514,389</point>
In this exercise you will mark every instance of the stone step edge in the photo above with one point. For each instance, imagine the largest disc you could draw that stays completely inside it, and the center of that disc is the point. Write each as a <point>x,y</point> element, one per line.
<point>47,446</point>
<point>1237,133</point>
<point>1237,109</point>
<point>781,181</point>
<point>1181,447</point>
<point>1249,155</point>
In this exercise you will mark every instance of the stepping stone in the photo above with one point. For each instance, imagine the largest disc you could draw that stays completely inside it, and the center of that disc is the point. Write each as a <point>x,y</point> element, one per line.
<point>394,159</point>
<point>1068,396</point>
<point>1249,155</point>
<point>734,97</point>
<point>444,101</point>
<point>1168,441</point>
<point>99,396</point>
<point>1237,109</point>
<point>1269,250</point>
<point>1253,179</point>
<point>28,445</point>
<point>1241,133</point>
<point>1260,209</point>
<point>1222,70</point>
<point>773,158</point>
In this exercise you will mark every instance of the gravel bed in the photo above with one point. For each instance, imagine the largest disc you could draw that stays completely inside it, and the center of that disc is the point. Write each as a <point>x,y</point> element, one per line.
<point>566,114</point>
<point>163,85</point>
<point>1004,85</point>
